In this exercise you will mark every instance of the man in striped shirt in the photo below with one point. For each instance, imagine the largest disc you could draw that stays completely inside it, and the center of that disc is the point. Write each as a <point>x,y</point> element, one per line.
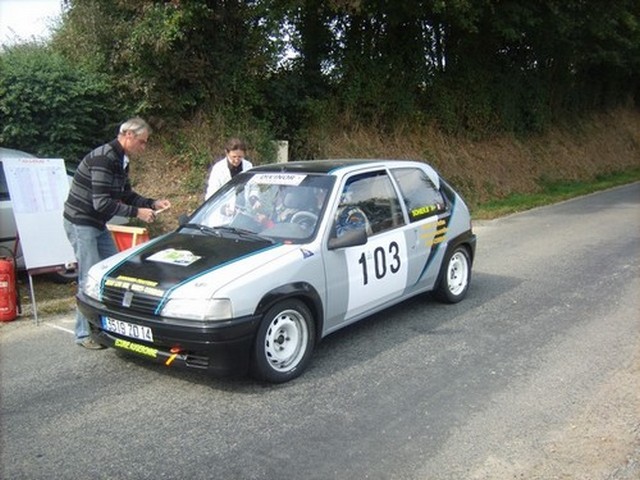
<point>101,190</point>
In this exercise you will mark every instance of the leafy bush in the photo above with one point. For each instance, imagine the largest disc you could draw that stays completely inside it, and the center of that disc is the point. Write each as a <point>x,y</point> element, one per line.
<point>51,108</point>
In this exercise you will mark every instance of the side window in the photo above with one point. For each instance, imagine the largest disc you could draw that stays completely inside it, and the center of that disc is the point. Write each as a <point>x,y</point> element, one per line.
<point>421,197</point>
<point>371,201</point>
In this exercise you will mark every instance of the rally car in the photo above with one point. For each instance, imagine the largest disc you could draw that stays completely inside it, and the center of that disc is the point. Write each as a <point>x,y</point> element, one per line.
<point>279,258</point>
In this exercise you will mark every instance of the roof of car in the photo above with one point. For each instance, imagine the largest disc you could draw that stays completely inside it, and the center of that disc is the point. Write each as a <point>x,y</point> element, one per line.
<point>11,153</point>
<point>326,166</point>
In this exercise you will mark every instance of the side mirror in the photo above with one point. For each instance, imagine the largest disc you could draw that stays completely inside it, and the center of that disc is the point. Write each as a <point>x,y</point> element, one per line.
<point>351,238</point>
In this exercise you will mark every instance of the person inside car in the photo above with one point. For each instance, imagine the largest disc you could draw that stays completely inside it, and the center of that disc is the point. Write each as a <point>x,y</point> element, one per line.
<point>228,167</point>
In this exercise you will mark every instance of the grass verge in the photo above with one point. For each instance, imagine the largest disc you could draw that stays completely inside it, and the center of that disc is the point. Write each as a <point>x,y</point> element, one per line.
<point>551,192</point>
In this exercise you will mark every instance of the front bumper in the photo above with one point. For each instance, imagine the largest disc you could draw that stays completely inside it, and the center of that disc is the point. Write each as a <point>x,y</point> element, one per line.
<point>221,348</point>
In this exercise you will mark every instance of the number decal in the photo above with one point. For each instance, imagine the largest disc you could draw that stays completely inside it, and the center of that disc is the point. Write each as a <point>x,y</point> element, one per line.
<point>363,262</point>
<point>394,251</point>
<point>377,271</point>
<point>380,262</point>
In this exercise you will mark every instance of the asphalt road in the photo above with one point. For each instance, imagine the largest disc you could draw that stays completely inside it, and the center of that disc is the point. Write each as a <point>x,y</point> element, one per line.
<point>425,391</point>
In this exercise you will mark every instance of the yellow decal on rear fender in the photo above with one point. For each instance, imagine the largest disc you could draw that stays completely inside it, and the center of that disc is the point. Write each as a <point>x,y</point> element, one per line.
<point>435,233</point>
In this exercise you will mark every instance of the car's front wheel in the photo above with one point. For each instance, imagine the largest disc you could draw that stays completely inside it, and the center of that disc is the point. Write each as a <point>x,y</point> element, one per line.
<point>455,277</point>
<point>284,342</point>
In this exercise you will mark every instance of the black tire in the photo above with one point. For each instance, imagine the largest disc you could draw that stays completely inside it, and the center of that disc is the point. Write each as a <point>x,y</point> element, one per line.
<point>284,342</point>
<point>455,276</point>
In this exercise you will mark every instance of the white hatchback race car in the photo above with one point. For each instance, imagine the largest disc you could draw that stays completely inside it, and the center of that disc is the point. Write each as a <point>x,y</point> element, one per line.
<point>279,258</point>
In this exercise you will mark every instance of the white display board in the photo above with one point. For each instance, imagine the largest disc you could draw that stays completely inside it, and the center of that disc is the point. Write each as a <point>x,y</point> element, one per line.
<point>38,188</point>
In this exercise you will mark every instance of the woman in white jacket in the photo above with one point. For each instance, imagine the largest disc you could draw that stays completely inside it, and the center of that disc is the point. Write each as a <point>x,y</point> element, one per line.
<point>229,166</point>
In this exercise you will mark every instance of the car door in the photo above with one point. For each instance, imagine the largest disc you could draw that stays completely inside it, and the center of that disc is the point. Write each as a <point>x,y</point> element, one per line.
<point>364,278</point>
<point>428,212</point>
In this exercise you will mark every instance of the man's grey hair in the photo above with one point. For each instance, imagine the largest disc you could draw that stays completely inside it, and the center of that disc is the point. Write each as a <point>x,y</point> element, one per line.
<point>135,125</point>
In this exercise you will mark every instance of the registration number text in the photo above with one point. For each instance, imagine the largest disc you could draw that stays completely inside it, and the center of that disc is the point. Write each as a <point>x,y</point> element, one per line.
<point>130,330</point>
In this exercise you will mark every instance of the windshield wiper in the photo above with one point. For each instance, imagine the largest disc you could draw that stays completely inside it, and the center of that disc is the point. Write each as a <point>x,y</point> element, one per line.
<point>244,233</point>
<point>219,229</point>
<point>201,228</point>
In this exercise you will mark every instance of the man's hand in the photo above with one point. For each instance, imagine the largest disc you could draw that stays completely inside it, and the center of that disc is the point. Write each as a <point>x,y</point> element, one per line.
<point>161,204</point>
<point>146,215</point>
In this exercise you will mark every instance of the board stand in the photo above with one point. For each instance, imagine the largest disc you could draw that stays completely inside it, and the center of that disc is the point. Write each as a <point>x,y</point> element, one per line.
<point>38,271</point>
<point>30,273</point>
<point>34,305</point>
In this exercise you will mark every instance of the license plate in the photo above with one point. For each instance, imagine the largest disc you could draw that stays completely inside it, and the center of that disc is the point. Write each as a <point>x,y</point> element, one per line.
<point>130,330</point>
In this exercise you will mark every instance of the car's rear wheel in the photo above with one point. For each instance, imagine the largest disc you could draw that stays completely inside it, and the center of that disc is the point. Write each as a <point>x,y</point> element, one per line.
<point>455,277</point>
<point>284,342</point>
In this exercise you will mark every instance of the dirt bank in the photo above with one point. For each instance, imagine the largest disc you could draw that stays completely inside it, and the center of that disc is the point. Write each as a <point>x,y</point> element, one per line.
<point>480,169</point>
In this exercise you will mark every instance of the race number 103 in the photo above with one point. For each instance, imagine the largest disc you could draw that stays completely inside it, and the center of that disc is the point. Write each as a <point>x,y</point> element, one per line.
<point>383,261</point>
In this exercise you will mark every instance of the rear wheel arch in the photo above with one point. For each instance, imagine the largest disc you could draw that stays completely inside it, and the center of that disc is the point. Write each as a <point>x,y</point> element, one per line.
<point>461,253</point>
<point>466,240</point>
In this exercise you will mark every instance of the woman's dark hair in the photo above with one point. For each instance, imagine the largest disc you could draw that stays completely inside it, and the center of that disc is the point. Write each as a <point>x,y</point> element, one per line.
<point>235,144</point>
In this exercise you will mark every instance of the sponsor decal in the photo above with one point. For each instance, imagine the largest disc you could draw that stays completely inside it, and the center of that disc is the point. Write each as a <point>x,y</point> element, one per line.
<point>435,233</point>
<point>134,285</point>
<point>172,256</point>
<point>417,212</point>
<point>426,210</point>
<point>136,347</point>
<point>140,281</point>
<point>277,179</point>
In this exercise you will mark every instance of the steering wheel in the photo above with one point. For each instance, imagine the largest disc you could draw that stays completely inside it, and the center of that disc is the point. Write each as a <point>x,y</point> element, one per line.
<point>245,219</point>
<point>305,219</point>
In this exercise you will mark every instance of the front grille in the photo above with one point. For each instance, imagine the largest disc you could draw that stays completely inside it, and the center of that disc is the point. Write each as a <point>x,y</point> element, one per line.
<point>141,302</point>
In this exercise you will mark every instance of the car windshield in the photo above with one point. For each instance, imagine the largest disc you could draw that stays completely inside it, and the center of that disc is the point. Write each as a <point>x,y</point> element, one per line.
<point>278,206</point>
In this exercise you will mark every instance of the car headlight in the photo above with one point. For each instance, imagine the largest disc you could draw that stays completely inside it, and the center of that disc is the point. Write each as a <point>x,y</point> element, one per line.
<point>91,287</point>
<point>198,309</point>
<point>94,278</point>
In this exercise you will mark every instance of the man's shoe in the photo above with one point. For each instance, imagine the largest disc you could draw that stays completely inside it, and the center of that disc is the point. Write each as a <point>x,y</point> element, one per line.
<point>91,345</point>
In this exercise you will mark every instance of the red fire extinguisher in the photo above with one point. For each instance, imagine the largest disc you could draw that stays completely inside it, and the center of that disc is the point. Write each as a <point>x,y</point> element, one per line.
<point>8,288</point>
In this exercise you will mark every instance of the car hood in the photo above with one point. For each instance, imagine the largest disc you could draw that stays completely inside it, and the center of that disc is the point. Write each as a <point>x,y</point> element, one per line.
<point>176,259</point>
